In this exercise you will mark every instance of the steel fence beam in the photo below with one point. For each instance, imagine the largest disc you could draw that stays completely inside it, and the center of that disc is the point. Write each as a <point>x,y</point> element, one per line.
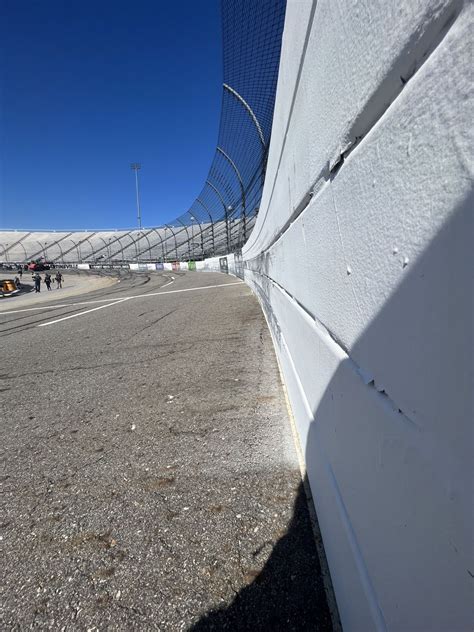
<point>175,241</point>
<point>75,243</point>
<point>212,223</point>
<point>145,236</point>
<point>17,243</point>
<point>54,243</point>
<point>118,238</point>
<point>226,211</point>
<point>239,178</point>
<point>249,111</point>
<point>187,234</point>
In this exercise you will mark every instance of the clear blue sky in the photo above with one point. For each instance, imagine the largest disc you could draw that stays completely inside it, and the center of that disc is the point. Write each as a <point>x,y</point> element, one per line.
<point>87,87</point>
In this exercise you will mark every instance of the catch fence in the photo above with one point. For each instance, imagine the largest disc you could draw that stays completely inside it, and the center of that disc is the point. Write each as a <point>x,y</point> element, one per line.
<point>221,217</point>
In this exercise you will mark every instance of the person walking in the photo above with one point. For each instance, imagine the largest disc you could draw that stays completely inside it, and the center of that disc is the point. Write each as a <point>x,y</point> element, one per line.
<point>59,280</point>
<point>47,280</point>
<point>37,280</point>
<point>18,283</point>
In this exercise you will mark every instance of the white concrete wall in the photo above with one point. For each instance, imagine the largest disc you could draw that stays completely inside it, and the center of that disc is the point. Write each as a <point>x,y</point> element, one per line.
<point>213,264</point>
<point>362,259</point>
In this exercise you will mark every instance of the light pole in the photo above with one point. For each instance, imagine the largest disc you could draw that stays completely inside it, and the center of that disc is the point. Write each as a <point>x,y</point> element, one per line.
<point>193,219</point>
<point>228,228</point>
<point>135,167</point>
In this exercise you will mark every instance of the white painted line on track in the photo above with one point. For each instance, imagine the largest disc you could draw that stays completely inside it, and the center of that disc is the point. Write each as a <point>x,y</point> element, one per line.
<point>34,309</point>
<point>115,301</point>
<point>99,300</point>
<point>88,311</point>
<point>188,289</point>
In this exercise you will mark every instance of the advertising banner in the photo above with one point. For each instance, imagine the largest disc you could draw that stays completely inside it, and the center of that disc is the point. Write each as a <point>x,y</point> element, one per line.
<point>239,264</point>
<point>224,265</point>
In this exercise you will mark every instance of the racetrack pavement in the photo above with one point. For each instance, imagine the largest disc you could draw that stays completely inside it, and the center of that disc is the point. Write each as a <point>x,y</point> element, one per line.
<point>75,282</point>
<point>150,479</point>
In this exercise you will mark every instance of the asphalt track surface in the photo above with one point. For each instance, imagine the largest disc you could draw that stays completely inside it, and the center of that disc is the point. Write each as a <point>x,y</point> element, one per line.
<point>75,283</point>
<point>150,479</point>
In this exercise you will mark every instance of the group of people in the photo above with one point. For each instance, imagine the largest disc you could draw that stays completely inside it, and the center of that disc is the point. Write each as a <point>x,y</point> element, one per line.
<point>47,281</point>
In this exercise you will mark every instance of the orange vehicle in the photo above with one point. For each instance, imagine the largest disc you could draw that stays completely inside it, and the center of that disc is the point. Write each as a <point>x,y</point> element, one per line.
<point>8,288</point>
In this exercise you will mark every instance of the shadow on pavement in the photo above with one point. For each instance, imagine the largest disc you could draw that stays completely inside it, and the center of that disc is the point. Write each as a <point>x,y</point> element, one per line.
<point>288,594</point>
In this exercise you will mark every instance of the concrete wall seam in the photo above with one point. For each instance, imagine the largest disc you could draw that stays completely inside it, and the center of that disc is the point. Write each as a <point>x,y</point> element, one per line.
<point>438,19</point>
<point>366,377</point>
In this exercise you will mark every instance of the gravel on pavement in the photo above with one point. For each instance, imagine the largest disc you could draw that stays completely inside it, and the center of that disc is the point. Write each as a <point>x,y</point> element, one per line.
<point>150,479</point>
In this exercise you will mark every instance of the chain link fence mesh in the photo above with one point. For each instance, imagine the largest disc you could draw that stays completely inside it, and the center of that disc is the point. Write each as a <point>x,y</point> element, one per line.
<point>221,217</point>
